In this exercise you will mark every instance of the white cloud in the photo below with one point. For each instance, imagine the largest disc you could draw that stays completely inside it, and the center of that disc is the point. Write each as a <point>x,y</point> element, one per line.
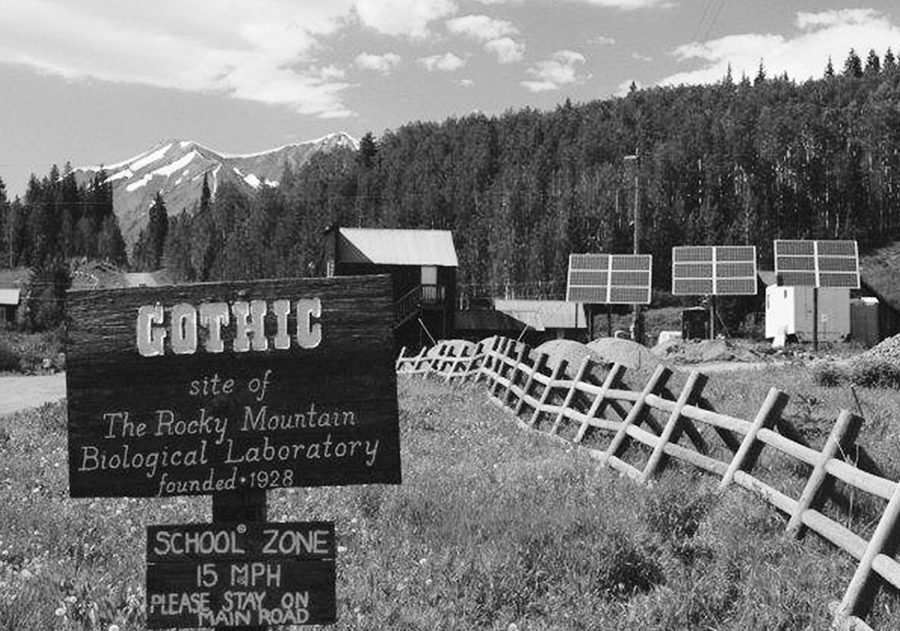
<point>506,49</point>
<point>448,62</point>
<point>379,63</point>
<point>496,35</point>
<point>409,18</point>
<point>265,55</point>
<point>466,83</point>
<point>603,40</point>
<point>802,55</point>
<point>481,27</point>
<point>628,5</point>
<point>559,70</point>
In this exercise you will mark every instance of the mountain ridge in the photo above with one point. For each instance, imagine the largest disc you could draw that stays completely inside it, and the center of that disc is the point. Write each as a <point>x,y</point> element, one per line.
<point>176,168</point>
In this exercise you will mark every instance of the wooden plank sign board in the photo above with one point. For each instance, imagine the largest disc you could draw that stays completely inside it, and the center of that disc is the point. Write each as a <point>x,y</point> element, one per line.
<point>214,387</point>
<point>255,574</point>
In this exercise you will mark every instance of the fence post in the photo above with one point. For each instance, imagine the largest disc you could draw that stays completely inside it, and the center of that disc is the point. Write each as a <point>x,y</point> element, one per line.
<point>470,365</point>
<point>748,452</point>
<point>671,432</point>
<point>488,364</point>
<point>554,377</point>
<point>538,365</point>
<point>579,375</point>
<point>656,381</point>
<point>596,407</point>
<point>844,432</point>
<point>503,368</point>
<point>513,373</point>
<point>400,359</point>
<point>858,597</point>
<point>450,364</point>
<point>499,364</point>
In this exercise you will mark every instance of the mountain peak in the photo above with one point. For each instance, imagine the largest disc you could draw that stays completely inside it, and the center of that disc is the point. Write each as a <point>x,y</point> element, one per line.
<point>176,168</point>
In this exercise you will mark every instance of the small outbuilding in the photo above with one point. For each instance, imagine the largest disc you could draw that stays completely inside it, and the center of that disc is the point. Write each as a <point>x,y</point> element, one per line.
<point>422,265</point>
<point>9,304</point>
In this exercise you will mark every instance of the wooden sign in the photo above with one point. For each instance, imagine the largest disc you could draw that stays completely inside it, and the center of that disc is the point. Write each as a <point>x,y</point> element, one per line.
<point>254,574</point>
<point>214,387</point>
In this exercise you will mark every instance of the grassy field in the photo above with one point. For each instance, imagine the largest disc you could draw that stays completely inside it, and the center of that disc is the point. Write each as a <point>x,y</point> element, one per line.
<point>494,527</point>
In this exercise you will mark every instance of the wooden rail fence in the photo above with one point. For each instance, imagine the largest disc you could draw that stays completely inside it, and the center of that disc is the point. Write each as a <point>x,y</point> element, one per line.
<point>572,408</point>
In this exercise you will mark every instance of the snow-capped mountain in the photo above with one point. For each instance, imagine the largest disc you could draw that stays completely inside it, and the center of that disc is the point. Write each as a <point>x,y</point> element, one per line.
<point>177,168</point>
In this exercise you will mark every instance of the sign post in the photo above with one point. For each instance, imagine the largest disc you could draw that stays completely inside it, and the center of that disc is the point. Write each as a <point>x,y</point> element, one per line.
<point>231,389</point>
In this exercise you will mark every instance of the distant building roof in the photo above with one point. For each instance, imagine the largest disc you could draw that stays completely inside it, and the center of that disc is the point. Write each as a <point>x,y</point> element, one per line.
<point>541,315</point>
<point>140,279</point>
<point>10,296</point>
<point>397,247</point>
<point>486,320</point>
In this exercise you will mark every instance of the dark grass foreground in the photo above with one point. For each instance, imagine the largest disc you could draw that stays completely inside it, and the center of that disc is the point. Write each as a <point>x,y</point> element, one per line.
<point>494,527</point>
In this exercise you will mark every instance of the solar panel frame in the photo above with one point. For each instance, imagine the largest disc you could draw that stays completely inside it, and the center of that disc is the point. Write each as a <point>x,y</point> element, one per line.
<point>817,263</point>
<point>614,278</point>
<point>725,270</point>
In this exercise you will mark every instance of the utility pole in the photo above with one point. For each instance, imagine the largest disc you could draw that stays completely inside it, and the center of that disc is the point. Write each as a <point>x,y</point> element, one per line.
<point>637,319</point>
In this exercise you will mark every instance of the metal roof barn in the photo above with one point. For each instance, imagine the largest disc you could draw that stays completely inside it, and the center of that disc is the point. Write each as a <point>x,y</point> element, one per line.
<point>397,247</point>
<point>10,297</point>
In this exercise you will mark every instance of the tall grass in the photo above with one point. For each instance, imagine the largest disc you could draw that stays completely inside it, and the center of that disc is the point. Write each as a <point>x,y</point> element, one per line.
<point>494,527</point>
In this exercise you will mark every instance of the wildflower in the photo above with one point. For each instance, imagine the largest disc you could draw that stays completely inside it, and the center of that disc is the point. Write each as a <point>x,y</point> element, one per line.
<point>60,612</point>
<point>113,627</point>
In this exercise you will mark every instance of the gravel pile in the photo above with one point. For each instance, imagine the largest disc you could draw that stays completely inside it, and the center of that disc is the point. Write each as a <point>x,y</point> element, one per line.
<point>886,350</point>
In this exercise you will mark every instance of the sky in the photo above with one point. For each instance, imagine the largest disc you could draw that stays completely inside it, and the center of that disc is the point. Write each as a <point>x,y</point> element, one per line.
<point>95,82</point>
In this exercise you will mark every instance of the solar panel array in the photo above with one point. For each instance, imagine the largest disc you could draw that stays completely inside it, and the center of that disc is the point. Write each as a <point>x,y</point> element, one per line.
<point>610,278</point>
<point>832,264</point>
<point>725,270</point>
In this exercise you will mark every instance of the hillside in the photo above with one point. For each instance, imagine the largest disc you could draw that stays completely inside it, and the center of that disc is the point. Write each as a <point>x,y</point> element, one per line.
<point>177,168</point>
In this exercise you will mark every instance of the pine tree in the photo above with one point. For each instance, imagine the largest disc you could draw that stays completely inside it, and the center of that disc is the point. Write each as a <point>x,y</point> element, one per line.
<point>890,62</point>
<point>158,226</point>
<point>760,74</point>
<point>5,228</point>
<point>368,149</point>
<point>873,64</point>
<point>829,69</point>
<point>853,65</point>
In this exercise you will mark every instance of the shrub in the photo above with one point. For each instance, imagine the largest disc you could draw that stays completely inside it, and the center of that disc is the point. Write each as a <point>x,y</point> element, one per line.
<point>873,373</point>
<point>828,374</point>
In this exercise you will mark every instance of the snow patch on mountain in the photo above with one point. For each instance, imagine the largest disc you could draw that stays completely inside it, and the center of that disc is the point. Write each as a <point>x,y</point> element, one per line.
<point>155,156</point>
<point>177,169</point>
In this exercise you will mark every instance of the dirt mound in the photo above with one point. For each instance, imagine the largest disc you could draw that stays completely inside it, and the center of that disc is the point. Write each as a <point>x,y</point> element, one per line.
<point>573,353</point>
<point>699,351</point>
<point>629,354</point>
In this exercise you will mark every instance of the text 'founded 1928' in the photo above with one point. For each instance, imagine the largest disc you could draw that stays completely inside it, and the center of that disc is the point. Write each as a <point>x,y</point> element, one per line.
<point>201,389</point>
<point>228,574</point>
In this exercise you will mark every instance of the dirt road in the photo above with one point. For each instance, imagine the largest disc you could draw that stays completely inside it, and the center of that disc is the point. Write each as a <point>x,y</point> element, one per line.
<point>23,392</point>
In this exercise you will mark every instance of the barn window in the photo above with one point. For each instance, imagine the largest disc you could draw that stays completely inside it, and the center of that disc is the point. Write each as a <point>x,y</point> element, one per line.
<point>429,275</point>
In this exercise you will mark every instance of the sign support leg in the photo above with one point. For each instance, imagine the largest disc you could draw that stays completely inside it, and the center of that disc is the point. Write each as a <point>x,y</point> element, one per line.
<point>245,506</point>
<point>815,322</point>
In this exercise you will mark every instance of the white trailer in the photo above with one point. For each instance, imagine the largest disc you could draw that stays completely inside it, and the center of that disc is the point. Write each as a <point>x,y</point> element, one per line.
<point>789,311</point>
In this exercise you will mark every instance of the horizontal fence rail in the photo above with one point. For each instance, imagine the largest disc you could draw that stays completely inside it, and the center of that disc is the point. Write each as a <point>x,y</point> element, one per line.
<point>564,402</point>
